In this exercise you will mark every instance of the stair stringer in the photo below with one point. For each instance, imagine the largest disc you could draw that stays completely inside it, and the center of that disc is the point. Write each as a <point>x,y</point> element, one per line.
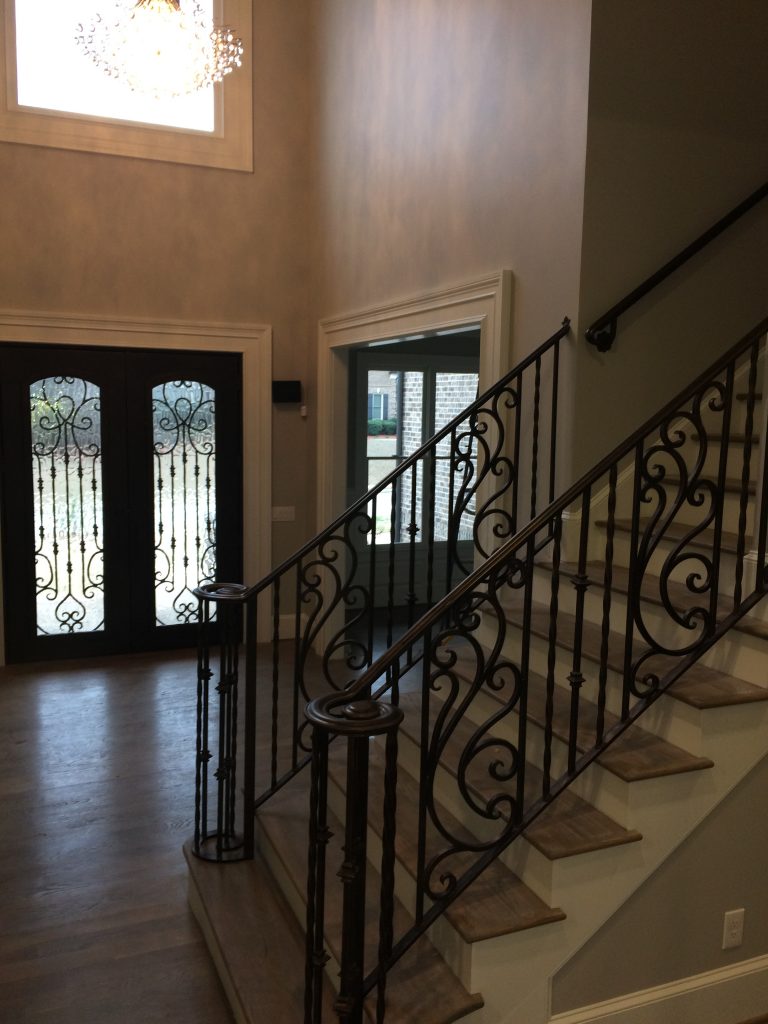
<point>515,972</point>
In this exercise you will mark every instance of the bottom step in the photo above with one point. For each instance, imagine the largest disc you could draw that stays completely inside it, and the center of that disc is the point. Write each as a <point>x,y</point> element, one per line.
<point>254,940</point>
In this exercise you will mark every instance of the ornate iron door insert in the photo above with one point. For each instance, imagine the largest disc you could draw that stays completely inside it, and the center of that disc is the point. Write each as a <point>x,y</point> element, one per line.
<point>121,476</point>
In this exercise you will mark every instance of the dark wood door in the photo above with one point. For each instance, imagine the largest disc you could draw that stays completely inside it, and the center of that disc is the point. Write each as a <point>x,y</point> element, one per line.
<point>121,491</point>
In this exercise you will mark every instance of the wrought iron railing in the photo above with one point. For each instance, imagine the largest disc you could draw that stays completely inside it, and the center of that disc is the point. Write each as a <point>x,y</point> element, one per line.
<point>322,614</point>
<point>520,689</point>
<point>602,333</point>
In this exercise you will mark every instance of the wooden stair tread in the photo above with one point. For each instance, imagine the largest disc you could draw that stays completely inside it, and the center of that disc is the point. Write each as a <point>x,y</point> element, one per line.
<point>678,531</point>
<point>634,756</point>
<point>700,686</point>
<point>420,973</point>
<point>731,484</point>
<point>737,438</point>
<point>650,590</point>
<point>568,827</point>
<point>249,928</point>
<point>497,903</point>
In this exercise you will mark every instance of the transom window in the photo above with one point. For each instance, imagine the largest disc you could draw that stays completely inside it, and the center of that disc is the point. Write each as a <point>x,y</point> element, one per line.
<point>52,94</point>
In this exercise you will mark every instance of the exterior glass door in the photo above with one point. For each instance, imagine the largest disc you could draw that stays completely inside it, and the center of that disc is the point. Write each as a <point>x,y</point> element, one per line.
<point>121,492</point>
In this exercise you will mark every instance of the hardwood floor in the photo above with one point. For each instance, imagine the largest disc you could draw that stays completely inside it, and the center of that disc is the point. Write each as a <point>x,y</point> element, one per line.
<point>96,797</point>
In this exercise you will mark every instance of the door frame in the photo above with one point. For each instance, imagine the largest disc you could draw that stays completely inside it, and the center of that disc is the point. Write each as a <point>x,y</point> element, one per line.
<point>252,341</point>
<point>485,304</point>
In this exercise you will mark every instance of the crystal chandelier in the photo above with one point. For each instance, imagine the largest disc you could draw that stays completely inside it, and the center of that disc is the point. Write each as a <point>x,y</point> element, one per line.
<point>161,48</point>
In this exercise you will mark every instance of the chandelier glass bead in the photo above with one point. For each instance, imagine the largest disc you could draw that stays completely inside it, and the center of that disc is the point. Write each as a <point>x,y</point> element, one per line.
<point>161,47</point>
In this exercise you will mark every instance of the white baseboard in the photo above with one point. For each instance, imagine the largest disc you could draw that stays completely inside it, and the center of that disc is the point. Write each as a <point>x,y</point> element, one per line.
<point>721,996</point>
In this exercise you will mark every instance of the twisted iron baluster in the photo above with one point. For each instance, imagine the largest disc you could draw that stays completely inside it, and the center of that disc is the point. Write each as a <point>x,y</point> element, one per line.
<point>575,678</point>
<point>413,530</point>
<point>387,896</point>
<point>553,419</point>
<point>319,836</point>
<point>393,536</point>
<point>522,705</point>
<point>606,623</point>
<point>275,679</point>
<point>203,754</point>
<point>372,578</point>
<point>722,467</point>
<point>297,669</point>
<point>425,778</point>
<point>551,656</point>
<point>535,442</point>
<point>744,495</point>
<point>516,456</point>
<point>633,589</point>
<point>762,519</point>
<point>349,1002</point>
<point>249,759</point>
<point>431,526</point>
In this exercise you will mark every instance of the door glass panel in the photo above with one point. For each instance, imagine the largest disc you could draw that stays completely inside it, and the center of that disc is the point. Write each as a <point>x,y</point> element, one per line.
<point>184,447</point>
<point>453,393</point>
<point>382,448</point>
<point>67,497</point>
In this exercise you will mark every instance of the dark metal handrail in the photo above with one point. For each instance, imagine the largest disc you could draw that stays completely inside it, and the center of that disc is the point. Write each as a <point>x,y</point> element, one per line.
<point>698,587</point>
<point>602,332</point>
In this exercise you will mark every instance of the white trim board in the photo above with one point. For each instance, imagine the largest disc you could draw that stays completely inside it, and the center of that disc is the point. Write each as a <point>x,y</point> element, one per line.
<point>735,992</point>
<point>252,341</point>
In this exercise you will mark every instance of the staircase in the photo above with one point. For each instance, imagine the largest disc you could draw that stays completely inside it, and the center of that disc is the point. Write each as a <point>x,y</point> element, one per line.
<point>486,789</point>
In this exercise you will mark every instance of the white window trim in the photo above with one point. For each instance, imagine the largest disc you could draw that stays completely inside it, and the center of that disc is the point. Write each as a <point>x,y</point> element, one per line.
<point>252,341</point>
<point>229,147</point>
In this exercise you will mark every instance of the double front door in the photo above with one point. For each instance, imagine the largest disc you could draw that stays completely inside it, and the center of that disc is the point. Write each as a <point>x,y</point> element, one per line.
<point>121,492</point>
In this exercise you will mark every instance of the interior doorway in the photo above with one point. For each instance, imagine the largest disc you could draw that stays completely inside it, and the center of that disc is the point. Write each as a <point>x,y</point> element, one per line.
<point>122,490</point>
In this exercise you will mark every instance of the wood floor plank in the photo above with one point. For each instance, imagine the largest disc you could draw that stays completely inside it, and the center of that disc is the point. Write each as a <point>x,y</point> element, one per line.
<point>95,803</point>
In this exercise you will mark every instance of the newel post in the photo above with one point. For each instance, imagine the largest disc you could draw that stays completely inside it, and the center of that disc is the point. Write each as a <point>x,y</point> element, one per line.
<point>359,721</point>
<point>216,835</point>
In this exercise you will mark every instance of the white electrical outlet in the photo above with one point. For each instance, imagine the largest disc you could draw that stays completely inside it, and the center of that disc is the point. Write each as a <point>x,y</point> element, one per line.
<point>733,928</point>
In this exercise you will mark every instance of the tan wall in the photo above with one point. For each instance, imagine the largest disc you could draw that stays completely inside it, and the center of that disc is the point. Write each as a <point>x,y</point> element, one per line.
<point>672,927</point>
<point>451,139</point>
<point>107,235</point>
<point>678,135</point>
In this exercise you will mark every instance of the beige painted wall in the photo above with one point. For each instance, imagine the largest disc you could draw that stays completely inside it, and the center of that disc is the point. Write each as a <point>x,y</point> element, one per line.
<point>90,234</point>
<point>450,143</point>
<point>672,927</point>
<point>678,135</point>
